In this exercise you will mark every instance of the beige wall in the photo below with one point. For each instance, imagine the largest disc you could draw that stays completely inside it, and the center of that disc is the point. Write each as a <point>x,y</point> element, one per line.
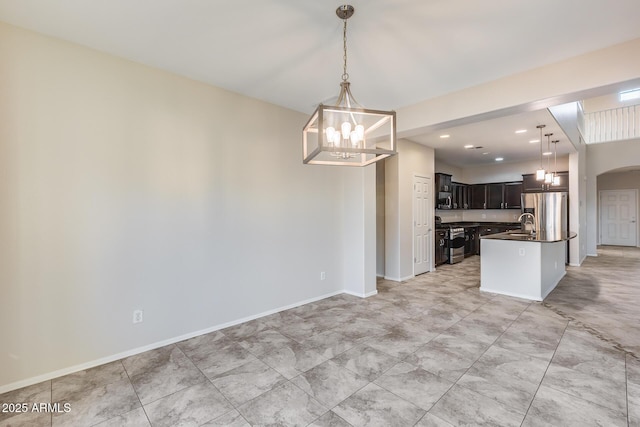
<point>603,158</point>
<point>412,159</point>
<point>124,187</point>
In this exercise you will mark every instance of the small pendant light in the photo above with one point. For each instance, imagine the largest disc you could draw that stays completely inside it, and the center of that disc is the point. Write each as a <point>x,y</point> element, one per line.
<point>540,172</point>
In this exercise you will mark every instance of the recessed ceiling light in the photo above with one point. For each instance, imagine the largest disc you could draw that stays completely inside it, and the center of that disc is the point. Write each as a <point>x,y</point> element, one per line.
<point>499,159</point>
<point>547,153</point>
<point>534,141</point>
<point>485,153</point>
<point>468,146</point>
<point>444,136</point>
<point>521,131</point>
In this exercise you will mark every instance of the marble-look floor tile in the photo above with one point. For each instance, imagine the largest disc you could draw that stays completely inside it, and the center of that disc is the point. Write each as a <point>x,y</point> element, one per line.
<point>135,418</point>
<point>414,384</point>
<point>329,383</point>
<point>330,343</point>
<point>461,406</point>
<point>161,372</point>
<point>192,406</point>
<point>201,343</point>
<point>362,328</point>
<point>293,358</point>
<point>476,331</point>
<point>529,342</point>
<point>99,404</point>
<point>69,386</point>
<point>581,351</point>
<point>447,356</point>
<point>265,341</point>
<point>247,381</point>
<point>284,405</point>
<point>555,408</point>
<point>633,380</point>
<point>604,392</point>
<point>375,406</point>
<point>225,356</point>
<point>366,361</point>
<point>518,365</point>
<point>246,329</point>
<point>402,339</point>
<point>431,420</point>
<point>37,393</point>
<point>330,419</point>
<point>230,419</point>
<point>437,319</point>
<point>508,377</point>
<point>634,415</point>
<point>27,419</point>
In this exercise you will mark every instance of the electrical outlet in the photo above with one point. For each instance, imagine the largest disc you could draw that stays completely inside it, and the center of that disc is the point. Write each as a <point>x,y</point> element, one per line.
<point>521,251</point>
<point>137,316</point>
<point>322,275</point>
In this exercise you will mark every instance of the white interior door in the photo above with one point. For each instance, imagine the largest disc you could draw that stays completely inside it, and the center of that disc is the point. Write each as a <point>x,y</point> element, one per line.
<point>422,229</point>
<point>618,217</point>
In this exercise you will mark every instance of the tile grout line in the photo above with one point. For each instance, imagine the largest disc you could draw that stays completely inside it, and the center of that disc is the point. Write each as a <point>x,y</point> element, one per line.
<point>545,374</point>
<point>135,391</point>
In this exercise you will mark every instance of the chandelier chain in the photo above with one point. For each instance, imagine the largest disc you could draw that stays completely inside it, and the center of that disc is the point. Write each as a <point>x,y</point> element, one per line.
<point>345,75</point>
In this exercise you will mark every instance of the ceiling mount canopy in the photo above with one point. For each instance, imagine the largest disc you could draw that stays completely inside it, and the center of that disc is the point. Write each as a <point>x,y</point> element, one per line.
<point>347,134</point>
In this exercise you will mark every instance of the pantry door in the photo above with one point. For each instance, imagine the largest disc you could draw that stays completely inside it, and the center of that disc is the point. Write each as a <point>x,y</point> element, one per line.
<point>618,217</point>
<point>422,224</point>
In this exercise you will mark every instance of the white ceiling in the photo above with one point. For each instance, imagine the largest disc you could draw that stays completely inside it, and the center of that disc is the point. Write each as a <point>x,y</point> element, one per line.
<point>288,52</point>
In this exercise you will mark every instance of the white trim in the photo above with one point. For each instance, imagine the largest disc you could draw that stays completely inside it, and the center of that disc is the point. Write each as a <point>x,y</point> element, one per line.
<point>431,211</point>
<point>367,295</point>
<point>108,359</point>
<point>401,279</point>
<point>592,254</point>
<point>599,219</point>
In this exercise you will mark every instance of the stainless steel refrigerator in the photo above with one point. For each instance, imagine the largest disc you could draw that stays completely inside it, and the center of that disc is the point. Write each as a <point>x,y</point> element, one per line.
<point>550,214</point>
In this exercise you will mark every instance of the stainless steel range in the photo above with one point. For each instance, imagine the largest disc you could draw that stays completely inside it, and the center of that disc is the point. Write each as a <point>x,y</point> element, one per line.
<point>456,244</point>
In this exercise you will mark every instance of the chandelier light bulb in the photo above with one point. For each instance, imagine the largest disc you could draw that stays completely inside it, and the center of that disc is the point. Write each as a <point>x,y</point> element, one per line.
<point>360,132</point>
<point>346,129</point>
<point>354,138</point>
<point>336,138</point>
<point>556,180</point>
<point>330,133</point>
<point>540,173</point>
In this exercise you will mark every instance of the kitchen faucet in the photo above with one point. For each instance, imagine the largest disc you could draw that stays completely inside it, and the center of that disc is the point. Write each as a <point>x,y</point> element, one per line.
<point>531,221</point>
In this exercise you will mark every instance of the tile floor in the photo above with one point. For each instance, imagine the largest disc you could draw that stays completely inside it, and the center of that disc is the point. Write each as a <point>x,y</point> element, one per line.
<point>433,351</point>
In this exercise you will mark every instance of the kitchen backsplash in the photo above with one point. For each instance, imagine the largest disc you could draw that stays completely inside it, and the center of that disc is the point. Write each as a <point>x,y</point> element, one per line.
<point>479,215</point>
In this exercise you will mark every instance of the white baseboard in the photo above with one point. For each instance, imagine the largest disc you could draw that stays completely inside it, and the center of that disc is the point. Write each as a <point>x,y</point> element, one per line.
<point>108,359</point>
<point>367,295</point>
<point>398,279</point>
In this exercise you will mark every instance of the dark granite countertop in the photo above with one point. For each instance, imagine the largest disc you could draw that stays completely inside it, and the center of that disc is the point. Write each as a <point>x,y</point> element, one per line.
<point>521,237</point>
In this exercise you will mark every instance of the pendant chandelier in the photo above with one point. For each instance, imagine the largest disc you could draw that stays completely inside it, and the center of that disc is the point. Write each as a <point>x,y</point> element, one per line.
<point>548,177</point>
<point>347,134</point>
<point>540,172</point>
<point>556,178</point>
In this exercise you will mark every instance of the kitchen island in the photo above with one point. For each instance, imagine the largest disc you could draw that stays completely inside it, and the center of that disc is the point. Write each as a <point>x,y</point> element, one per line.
<point>522,265</point>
